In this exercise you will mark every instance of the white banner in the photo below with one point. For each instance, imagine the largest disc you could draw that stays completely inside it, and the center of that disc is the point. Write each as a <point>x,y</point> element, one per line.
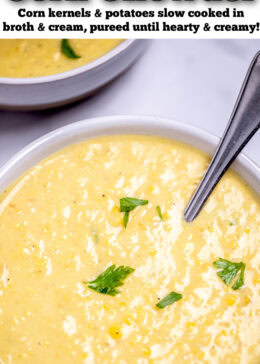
<point>129,19</point>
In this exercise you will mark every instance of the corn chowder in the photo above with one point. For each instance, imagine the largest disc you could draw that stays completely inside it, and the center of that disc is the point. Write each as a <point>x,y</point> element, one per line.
<point>97,264</point>
<point>44,57</point>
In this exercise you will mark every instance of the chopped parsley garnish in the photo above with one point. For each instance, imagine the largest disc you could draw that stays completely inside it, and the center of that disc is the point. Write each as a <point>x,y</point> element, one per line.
<point>111,278</point>
<point>67,50</point>
<point>159,212</point>
<point>169,299</point>
<point>95,235</point>
<point>229,270</point>
<point>128,204</point>
<point>126,218</point>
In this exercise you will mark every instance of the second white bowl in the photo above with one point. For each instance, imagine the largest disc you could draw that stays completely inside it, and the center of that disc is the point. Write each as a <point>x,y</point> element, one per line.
<point>63,88</point>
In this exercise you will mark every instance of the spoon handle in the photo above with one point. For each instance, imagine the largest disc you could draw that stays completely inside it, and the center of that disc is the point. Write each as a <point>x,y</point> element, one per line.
<point>243,124</point>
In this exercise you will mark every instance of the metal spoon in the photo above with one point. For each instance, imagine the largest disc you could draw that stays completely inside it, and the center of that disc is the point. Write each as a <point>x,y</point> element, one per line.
<point>243,124</point>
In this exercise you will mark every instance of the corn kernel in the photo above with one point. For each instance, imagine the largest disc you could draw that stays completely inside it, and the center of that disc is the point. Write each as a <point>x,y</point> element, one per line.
<point>246,301</point>
<point>150,189</point>
<point>190,325</point>
<point>167,227</point>
<point>19,227</point>
<point>146,351</point>
<point>106,307</point>
<point>166,215</point>
<point>46,229</point>
<point>198,353</point>
<point>128,320</point>
<point>231,300</point>
<point>115,332</point>
<point>199,262</point>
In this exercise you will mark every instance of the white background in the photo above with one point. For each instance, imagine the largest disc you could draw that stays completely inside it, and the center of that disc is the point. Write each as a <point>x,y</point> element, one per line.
<point>194,81</point>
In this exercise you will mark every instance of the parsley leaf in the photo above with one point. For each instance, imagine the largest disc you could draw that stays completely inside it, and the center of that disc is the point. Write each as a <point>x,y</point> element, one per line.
<point>229,270</point>
<point>111,278</point>
<point>67,50</point>
<point>128,204</point>
<point>159,212</point>
<point>169,299</point>
<point>126,218</point>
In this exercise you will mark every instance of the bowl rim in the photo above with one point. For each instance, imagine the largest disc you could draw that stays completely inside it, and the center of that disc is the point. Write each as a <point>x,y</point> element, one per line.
<point>98,126</point>
<point>18,81</point>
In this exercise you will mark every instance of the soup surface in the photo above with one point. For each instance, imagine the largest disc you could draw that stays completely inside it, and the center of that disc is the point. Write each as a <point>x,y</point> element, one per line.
<point>61,226</point>
<point>43,57</point>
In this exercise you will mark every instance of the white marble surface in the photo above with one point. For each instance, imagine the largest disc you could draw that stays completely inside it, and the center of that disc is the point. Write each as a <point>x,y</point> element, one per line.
<point>194,81</point>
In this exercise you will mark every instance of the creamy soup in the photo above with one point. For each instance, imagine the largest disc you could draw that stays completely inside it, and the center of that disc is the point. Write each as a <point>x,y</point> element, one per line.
<point>43,57</point>
<point>61,227</point>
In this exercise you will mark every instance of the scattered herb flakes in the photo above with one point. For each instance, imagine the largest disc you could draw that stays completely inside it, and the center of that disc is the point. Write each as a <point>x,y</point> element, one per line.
<point>128,204</point>
<point>111,278</point>
<point>95,236</point>
<point>126,218</point>
<point>229,270</point>
<point>67,50</point>
<point>169,299</point>
<point>159,212</point>
<point>232,223</point>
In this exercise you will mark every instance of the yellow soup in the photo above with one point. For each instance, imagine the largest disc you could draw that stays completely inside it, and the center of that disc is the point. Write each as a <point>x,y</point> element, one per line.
<point>61,226</point>
<point>43,57</point>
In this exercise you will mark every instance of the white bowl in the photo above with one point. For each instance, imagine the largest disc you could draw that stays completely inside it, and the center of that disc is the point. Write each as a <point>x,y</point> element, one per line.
<point>146,125</point>
<point>63,88</point>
